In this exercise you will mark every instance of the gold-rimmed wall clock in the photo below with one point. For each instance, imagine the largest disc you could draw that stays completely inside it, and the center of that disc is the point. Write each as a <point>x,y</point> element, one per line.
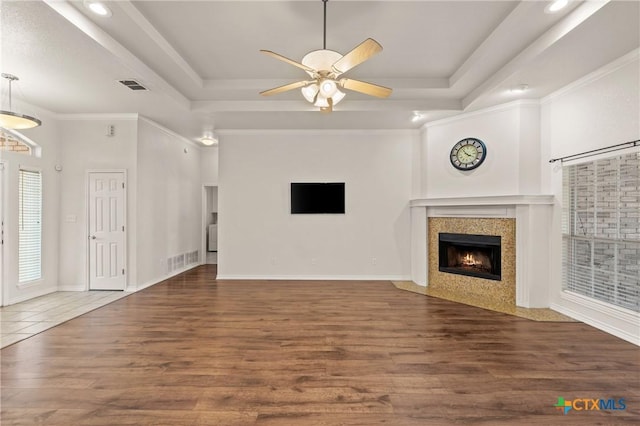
<point>468,154</point>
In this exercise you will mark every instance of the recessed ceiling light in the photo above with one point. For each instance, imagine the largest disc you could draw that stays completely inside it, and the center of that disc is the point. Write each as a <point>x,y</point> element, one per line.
<point>98,8</point>
<point>417,116</point>
<point>556,5</point>
<point>520,88</point>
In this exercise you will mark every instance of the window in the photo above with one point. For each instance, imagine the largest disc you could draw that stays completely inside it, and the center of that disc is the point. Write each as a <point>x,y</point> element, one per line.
<point>601,230</point>
<point>29,225</point>
<point>10,142</point>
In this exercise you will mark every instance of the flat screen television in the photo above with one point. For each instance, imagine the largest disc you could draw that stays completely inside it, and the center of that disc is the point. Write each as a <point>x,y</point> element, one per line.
<point>315,197</point>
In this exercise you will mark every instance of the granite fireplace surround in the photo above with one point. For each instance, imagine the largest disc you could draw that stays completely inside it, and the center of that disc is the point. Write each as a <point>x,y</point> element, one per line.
<point>498,295</point>
<point>522,222</point>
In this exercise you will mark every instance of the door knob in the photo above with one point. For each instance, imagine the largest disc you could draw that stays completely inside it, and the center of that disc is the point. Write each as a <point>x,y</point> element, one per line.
<point>93,237</point>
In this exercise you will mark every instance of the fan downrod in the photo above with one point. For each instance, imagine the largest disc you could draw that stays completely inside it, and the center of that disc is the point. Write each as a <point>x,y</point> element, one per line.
<point>324,32</point>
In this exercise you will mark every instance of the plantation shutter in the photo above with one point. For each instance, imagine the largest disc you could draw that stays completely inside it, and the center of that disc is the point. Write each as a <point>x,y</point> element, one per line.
<point>601,230</point>
<point>29,225</point>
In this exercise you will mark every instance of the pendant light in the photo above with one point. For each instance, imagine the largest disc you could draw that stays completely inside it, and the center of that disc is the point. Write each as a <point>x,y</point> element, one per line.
<point>13,120</point>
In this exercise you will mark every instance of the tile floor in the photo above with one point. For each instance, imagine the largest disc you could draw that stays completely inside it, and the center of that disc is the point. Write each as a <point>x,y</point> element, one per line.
<point>25,319</point>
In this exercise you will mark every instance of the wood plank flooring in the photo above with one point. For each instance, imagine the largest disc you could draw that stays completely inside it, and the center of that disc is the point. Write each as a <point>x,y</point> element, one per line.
<point>195,351</point>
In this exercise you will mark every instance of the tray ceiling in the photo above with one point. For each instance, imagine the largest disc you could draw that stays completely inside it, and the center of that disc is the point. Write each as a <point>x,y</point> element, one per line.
<point>200,60</point>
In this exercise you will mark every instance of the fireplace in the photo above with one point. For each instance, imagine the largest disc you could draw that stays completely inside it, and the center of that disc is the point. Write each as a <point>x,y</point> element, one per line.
<point>471,255</point>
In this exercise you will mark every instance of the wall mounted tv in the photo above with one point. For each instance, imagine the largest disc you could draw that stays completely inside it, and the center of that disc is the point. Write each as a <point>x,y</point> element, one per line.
<point>313,198</point>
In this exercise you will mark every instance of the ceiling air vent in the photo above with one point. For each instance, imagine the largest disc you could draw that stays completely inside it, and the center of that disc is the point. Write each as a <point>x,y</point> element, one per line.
<point>132,84</point>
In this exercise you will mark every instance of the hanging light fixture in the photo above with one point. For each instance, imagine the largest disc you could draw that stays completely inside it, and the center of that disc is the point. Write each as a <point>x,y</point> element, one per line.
<point>324,93</point>
<point>13,120</point>
<point>209,138</point>
<point>325,67</point>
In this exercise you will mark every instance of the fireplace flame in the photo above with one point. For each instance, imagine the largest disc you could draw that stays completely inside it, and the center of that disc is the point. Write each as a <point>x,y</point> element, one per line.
<point>469,260</point>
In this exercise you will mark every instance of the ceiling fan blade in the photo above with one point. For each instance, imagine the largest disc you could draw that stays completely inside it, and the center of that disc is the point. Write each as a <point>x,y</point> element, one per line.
<point>357,55</point>
<point>284,88</point>
<point>290,61</point>
<point>366,88</point>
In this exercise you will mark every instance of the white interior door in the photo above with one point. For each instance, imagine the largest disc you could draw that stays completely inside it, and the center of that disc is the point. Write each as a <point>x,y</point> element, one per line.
<point>107,231</point>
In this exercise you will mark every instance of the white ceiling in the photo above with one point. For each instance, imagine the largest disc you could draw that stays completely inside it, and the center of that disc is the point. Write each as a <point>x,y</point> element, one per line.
<point>201,59</point>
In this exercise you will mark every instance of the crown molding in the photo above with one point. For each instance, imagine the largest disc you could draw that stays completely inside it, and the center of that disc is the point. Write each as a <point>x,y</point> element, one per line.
<point>610,68</point>
<point>542,44</point>
<point>496,108</point>
<point>317,132</point>
<point>162,43</point>
<point>169,132</point>
<point>152,80</point>
<point>97,116</point>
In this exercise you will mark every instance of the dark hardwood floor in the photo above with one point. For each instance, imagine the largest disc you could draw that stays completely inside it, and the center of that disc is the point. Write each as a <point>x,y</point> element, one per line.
<point>193,351</point>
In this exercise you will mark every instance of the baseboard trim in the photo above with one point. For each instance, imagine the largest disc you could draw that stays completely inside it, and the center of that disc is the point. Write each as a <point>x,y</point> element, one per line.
<point>30,296</point>
<point>601,316</point>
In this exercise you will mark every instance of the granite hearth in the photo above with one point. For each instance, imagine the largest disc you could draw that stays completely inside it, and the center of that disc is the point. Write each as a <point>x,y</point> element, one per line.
<point>520,221</point>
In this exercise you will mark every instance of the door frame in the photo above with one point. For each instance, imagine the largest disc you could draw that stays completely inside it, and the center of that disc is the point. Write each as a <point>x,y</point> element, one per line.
<point>203,227</point>
<point>3,167</point>
<point>204,220</point>
<point>87,231</point>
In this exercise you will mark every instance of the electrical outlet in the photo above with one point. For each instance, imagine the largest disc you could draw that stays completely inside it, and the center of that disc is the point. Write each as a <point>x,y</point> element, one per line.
<point>314,261</point>
<point>374,261</point>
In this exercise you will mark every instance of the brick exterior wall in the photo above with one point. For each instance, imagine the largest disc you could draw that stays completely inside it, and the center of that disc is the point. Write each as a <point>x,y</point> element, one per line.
<point>9,143</point>
<point>602,230</point>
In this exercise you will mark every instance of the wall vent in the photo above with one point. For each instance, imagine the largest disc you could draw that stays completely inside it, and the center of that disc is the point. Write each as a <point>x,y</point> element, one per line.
<point>181,261</point>
<point>132,84</point>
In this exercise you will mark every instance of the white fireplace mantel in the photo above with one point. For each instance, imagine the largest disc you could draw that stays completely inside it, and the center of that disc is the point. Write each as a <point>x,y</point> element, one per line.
<point>494,200</point>
<point>533,218</point>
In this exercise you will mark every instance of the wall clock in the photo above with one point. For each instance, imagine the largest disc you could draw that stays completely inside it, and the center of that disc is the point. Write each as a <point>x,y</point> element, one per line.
<point>468,154</point>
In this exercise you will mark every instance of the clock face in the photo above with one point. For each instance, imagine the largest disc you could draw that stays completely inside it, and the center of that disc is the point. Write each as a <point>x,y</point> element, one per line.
<point>468,154</point>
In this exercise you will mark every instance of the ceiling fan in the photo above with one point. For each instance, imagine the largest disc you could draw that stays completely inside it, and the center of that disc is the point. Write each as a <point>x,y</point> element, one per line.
<point>325,67</point>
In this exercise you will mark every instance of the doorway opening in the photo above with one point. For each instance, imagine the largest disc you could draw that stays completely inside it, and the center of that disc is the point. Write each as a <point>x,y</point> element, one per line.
<point>210,223</point>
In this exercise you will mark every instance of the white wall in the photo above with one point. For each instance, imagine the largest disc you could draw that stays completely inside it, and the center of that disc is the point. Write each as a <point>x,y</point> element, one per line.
<point>47,137</point>
<point>510,133</point>
<point>209,165</point>
<point>597,111</point>
<point>163,199</point>
<point>85,146</point>
<point>260,238</point>
<point>169,210</point>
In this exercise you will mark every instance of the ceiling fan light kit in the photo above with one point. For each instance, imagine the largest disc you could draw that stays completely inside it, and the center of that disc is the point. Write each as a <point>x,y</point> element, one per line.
<point>325,67</point>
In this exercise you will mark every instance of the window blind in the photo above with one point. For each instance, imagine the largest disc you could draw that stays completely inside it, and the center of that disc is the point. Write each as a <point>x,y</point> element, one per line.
<point>601,230</point>
<point>29,225</point>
